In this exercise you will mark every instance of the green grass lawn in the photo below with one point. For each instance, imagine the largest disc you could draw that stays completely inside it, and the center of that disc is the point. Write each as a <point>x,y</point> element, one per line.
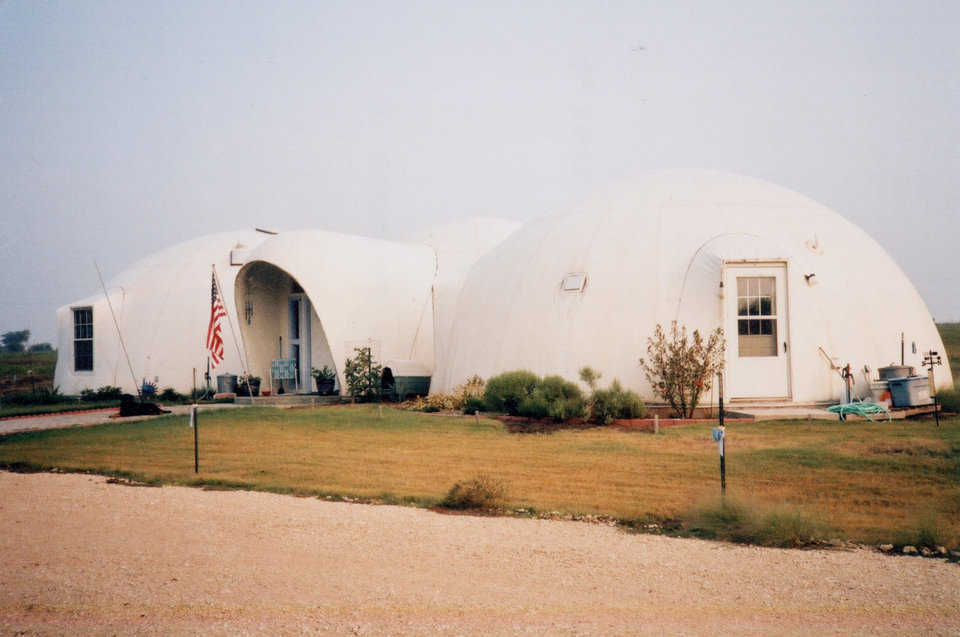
<point>950,333</point>
<point>864,481</point>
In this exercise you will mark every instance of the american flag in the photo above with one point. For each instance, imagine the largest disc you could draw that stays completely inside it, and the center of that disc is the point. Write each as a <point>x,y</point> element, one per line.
<point>217,312</point>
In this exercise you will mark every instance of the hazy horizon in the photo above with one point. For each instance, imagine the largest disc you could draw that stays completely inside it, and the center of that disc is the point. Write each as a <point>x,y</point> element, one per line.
<point>131,126</point>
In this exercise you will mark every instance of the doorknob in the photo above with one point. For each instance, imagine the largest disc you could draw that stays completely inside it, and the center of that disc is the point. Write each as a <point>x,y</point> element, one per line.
<point>784,347</point>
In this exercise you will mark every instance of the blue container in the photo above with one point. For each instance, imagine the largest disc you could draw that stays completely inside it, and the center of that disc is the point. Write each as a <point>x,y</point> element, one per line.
<point>912,391</point>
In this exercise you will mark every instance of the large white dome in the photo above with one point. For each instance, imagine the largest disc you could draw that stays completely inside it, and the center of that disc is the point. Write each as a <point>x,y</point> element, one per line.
<point>656,250</point>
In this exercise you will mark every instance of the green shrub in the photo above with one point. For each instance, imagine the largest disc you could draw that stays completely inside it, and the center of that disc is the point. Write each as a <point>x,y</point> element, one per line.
<point>505,392</point>
<point>949,400</point>
<point>480,492</point>
<point>473,404</point>
<point>607,404</point>
<point>535,405</point>
<point>43,396</point>
<point>171,395</point>
<point>362,373</point>
<point>568,409</point>
<point>105,393</point>
<point>555,388</point>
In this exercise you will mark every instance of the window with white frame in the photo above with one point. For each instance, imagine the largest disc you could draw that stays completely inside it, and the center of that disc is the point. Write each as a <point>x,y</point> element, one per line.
<point>757,315</point>
<point>83,339</point>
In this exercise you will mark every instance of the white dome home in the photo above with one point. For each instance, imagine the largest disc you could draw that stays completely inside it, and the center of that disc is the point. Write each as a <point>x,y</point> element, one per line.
<point>798,290</point>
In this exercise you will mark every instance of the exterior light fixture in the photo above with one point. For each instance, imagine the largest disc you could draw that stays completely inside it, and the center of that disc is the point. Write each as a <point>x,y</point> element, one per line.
<point>574,282</point>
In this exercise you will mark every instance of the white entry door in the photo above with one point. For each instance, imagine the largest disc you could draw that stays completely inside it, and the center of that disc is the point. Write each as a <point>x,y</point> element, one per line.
<point>299,313</point>
<point>757,332</point>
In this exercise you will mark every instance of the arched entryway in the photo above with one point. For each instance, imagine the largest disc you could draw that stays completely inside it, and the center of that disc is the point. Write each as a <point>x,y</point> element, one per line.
<point>282,335</point>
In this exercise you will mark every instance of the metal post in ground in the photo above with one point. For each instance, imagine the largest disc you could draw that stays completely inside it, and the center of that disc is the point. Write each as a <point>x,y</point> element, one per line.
<point>723,437</point>
<point>196,439</point>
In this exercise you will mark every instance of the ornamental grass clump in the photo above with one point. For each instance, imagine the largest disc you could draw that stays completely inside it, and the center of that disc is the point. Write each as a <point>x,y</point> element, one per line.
<point>680,367</point>
<point>480,492</point>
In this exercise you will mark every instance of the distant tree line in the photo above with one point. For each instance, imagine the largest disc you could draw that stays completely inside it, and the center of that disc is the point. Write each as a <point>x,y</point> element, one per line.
<point>16,342</point>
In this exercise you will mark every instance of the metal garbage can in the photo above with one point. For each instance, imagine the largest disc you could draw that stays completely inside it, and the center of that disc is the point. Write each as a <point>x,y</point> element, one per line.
<point>227,384</point>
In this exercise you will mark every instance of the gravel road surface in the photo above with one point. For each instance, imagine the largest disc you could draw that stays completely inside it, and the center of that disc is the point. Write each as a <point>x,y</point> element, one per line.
<point>80,555</point>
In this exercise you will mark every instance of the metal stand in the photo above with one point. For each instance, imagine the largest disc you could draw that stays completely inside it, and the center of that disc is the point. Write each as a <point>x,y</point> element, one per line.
<point>930,359</point>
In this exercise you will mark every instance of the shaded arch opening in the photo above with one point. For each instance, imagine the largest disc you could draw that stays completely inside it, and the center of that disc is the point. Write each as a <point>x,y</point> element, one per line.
<point>279,322</point>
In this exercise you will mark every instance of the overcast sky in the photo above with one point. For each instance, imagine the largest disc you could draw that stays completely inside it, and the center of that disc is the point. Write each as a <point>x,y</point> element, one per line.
<point>126,127</point>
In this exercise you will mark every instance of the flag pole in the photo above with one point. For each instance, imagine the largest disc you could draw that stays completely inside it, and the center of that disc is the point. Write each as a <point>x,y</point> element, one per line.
<point>116,324</point>
<point>233,333</point>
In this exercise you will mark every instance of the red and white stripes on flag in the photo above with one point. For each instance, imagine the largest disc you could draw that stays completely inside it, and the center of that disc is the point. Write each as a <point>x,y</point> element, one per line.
<point>214,334</point>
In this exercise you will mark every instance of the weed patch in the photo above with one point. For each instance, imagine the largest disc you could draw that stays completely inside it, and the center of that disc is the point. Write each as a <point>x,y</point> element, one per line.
<point>480,492</point>
<point>735,521</point>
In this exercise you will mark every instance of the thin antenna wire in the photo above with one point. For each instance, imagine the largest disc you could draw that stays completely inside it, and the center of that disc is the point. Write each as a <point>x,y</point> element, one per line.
<point>233,333</point>
<point>119,333</point>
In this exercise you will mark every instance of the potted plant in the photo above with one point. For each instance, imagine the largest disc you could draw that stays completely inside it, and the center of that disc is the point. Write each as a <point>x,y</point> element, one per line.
<point>325,378</point>
<point>248,386</point>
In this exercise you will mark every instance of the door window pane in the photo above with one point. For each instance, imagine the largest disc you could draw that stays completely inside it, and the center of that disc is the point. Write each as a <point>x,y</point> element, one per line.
<point>756,298</point>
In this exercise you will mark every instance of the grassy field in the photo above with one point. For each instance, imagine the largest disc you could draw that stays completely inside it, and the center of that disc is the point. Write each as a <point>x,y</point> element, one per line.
<point>950,333</point>
<point>864,481</point>
<point>26,371</point>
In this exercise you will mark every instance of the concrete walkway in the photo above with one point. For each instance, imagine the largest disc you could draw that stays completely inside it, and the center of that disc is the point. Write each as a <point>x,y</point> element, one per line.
<point>87,418</point>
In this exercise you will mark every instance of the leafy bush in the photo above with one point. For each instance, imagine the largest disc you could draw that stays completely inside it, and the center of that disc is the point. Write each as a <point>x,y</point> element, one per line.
<point>171,395</point>
<point>555,388</point>
<point>480,492</point>
<point>473,404</point>
<point>616,402</point>
<point>590,376</point>
<point>949,400</point>
<point>362,374</point>
<point>681,369</point>
<point>105,393</point>
<point>506,391</point>
<point>535,405</point>
<point>568,409</point>
<point>43,396</point>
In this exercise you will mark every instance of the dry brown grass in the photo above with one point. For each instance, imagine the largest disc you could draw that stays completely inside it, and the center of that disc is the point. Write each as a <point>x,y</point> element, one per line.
<point>867,480</point>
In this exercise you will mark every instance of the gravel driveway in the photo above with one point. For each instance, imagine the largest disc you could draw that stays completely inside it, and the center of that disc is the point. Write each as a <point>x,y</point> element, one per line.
<point>84,556</point>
